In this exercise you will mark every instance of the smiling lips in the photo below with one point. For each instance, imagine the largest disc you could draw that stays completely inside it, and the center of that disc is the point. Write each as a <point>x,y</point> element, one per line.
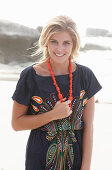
<point>59,55</point>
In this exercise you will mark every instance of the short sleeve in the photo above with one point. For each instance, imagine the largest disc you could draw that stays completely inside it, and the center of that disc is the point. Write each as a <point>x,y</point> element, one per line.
<point>90,82</point>
<point>22,93</point>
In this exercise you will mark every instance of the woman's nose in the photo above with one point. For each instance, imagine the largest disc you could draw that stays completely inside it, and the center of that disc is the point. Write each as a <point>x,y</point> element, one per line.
<point>60,47</point>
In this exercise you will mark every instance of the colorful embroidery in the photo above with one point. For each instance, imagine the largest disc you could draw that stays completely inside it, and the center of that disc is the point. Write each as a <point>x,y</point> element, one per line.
<point>61,134</point>
<point>82,94</point>
<point>37,99</point>
<point>35,108</point>
<point>60,152</point>
<point>85,101</point>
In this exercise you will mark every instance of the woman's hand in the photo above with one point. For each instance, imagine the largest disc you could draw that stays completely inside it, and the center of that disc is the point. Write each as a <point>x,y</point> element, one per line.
<point>22,121</point>
<point>62,110</point>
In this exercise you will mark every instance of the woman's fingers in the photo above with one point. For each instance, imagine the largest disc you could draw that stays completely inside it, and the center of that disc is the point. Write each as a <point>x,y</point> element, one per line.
<point>64,99</point>
<point>68,101</point>
<point>62,109</point>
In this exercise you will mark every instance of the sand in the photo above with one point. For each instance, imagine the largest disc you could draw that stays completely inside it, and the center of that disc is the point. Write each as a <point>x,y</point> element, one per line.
<point>13,144</point>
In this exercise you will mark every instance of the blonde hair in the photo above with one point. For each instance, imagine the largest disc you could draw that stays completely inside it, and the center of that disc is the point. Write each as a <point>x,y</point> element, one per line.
<point>58,24</point>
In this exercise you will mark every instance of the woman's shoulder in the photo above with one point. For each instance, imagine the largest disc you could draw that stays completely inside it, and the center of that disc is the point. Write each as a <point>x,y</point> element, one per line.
<point>84,69</point>
<point>26,71</point>
<point>89,80</point>
<point>41,69</point>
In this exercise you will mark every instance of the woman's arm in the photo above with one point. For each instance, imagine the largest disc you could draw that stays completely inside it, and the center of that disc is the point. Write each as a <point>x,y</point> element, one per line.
<point>21,121</point>
<point>88,117</point>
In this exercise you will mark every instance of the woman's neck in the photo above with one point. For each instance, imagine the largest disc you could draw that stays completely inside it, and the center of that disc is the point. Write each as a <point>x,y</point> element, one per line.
<point>60,68</point>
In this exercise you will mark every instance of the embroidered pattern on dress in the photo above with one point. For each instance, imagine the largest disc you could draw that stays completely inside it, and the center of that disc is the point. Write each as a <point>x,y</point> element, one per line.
<point>37,99</point>
<point>61,132</point>
<point>35,108</point>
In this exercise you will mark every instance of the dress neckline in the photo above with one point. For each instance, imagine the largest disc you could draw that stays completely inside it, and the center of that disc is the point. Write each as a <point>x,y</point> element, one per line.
<point>61,75</point>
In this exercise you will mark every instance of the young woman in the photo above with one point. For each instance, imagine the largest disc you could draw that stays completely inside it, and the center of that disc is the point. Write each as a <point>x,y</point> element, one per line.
<point>55,99</point>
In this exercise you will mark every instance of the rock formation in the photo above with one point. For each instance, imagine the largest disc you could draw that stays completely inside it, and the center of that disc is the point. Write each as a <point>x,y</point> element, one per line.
<point>94,32</point>
<point>15,39</point>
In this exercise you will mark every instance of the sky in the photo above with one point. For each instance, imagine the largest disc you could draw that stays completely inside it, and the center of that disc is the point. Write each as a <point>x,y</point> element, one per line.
<point>33,13</point>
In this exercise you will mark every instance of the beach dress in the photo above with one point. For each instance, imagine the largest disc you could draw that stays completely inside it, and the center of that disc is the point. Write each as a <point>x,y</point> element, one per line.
<point>58,144</point>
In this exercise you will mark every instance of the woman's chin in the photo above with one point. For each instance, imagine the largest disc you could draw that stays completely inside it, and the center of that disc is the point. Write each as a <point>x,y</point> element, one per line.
<point>60,60</point>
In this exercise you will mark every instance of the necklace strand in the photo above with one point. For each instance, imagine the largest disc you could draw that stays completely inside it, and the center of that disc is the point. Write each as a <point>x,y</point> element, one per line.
<point>55,83</point>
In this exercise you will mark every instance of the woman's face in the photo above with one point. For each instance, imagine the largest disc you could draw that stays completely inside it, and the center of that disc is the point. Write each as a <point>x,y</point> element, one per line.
<point>60,46</point>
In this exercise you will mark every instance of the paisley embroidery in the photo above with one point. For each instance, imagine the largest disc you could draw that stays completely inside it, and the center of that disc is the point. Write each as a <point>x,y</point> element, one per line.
<point>85,101</point>
<point>37,99</point>
<point>35,108</point>
<point>82,94</point>
<point>60,133</point>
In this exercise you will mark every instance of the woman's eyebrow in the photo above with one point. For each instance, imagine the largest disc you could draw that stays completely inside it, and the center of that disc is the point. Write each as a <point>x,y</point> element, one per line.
<point>68,41</point>
<point>63,41</point>
<point>53,39</point>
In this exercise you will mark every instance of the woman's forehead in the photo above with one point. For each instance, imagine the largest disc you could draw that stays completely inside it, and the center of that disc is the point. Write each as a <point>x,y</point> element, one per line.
<point>63,35</point>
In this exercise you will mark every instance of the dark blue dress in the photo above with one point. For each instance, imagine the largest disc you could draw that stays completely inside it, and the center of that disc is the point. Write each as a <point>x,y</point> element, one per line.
<point>58,144</point>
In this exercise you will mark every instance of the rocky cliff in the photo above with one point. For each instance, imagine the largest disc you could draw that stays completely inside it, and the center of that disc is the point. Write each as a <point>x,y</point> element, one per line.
<point>15,39</point>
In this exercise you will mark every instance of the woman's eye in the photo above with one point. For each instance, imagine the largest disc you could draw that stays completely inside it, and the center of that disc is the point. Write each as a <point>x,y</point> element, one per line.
<point>54,42</point>
<point>66,42</point>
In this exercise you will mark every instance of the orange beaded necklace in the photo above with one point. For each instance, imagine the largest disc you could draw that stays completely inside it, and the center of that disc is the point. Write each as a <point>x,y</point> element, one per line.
<point>55,83</point>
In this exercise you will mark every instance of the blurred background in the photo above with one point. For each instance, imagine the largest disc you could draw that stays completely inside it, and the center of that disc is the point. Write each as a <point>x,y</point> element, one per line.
<point>21,22</point>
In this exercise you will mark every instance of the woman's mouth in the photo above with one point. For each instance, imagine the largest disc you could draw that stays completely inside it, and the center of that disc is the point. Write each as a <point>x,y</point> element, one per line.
<point>59,55</point>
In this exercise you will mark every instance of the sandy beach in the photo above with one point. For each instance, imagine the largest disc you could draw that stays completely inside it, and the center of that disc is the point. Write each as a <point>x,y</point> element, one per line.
<point>12,144</point>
